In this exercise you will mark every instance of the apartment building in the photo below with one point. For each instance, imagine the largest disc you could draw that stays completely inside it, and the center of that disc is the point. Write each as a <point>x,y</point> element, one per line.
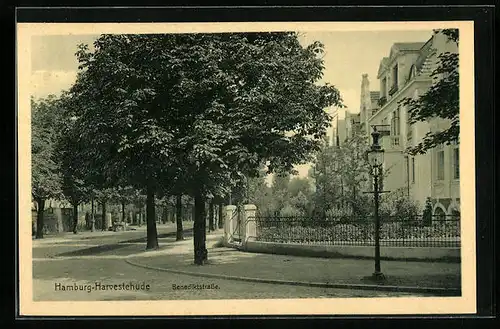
<point>406,73</point>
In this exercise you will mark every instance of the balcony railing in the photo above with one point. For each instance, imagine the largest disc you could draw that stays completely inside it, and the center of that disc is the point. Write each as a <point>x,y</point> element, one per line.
<point>382,100</point>
<point>394,141</point>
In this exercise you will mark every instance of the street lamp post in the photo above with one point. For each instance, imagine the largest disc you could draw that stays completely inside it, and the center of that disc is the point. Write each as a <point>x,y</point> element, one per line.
<point>376,159</point>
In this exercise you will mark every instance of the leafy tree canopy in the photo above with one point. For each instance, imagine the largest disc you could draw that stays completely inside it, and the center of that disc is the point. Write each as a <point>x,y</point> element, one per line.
<point>200,109</point>
<point>46,115</point>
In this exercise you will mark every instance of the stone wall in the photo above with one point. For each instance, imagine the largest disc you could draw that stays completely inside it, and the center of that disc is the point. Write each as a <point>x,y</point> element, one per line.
<point>329,251</point>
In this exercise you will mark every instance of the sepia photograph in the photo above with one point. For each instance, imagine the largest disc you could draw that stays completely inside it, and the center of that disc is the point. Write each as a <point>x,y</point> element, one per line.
<point>312,168</point>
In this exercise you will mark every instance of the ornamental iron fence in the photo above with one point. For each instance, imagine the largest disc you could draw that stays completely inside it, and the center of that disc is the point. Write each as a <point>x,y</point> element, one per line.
<point>417,231</point>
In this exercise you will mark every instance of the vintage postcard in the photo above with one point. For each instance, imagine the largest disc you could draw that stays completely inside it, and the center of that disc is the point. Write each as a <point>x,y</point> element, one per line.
<point>246,168</point>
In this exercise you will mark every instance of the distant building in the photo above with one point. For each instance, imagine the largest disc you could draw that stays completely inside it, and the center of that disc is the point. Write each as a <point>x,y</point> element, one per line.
<point>406,73</point>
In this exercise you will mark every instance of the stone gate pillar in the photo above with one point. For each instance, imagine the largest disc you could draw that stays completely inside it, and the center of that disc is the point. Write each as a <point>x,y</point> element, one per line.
<point>250,224</point>
<point>229,222</point>
<point>109,221</point>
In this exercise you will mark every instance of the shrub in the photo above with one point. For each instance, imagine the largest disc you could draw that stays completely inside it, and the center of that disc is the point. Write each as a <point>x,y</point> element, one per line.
<point>397,206</point>
<point>290,211</point>
<point>427,216</point>
<point>342,214</point>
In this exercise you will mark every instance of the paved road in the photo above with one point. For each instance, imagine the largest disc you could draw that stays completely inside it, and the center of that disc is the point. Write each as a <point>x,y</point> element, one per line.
<point>106,266</point>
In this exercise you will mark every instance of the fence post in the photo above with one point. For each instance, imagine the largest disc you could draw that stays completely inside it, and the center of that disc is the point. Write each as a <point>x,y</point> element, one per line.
<point>250,231</point>
<point>229,223</point>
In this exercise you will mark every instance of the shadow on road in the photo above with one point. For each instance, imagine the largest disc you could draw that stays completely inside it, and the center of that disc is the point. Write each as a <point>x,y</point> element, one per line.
<point>187,233</point>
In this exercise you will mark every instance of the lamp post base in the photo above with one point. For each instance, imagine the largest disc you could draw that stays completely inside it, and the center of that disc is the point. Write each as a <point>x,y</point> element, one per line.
<point>378,276</point>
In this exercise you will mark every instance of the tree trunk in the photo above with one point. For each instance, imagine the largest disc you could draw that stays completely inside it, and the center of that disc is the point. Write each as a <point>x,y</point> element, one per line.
<point>178,217</point>
<point>220,222</point>
<point>92,216</point>
<point>199,229</point>
<point>123,212</point>
<point>152,236</point>
<point>103,217</point>
<point>39,217</point>
<point>211,226</point>
<point>75,218</point>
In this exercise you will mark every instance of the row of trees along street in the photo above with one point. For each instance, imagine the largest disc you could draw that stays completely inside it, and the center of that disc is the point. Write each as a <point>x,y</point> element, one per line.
<point>179,114</point>
<point>205,117</point>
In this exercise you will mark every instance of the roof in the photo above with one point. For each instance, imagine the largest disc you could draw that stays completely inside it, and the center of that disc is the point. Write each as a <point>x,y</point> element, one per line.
<point>404,46</point>
<point>374,95</point>
<point>409,46</point>
<point>383,63</point>
<point>425,51</point>
<point>421,47</point>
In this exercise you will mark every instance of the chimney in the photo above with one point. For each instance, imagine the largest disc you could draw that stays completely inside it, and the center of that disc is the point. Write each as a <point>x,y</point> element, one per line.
<point>365,101</point>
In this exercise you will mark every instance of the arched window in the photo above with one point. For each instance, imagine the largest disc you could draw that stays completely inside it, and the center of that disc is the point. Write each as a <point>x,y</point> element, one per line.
<point>439,214</point>
<point>395,123</point>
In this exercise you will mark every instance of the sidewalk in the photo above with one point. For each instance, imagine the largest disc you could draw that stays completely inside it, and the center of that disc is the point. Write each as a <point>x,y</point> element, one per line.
<point>63,237</point>
<point>227,263</point>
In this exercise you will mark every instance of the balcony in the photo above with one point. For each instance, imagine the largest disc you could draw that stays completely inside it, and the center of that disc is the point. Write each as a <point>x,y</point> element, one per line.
<point>393,90</point>
<point>381,101</point>
<point>392,143</point>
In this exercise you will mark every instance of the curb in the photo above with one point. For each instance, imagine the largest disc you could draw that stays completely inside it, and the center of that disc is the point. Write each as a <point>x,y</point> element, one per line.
<point>440,291</point>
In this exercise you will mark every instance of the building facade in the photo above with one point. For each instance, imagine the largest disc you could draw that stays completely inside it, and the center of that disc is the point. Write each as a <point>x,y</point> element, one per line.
<point>405,73</point>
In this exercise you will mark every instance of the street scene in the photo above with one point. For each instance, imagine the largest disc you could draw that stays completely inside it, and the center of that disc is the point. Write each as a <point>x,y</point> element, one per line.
<point>95,260</point>
<point>263,165</point>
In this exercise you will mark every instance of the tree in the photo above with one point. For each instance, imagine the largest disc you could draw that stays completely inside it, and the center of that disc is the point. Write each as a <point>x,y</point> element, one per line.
<point>353,170</point>
<point>139,200</point>
<point>104,196</point>
<point>256,101</point>
<point>92,196</point>
<point>178,217</point>
<point>328,188</point>
<point>441,100</point>
<point>259,193</point>
<point>201,109</point>
<point>124,195</point>
<point>341,172</point>
<point>122,104</point>
<point>74,188</point>
<point>279,191</point>
<point>45,178</point>
<point>211,215</point>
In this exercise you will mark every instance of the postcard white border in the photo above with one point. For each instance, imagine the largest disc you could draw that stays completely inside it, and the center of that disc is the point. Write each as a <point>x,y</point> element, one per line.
<point>353,306</point>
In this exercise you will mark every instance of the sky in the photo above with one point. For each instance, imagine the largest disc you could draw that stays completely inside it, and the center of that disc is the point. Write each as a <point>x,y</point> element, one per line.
<point>348,55</point>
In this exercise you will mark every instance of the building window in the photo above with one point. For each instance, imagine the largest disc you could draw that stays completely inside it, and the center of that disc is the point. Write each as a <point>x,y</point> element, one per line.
<point>395,76</point>
<point>440,165</point>
<point>413,170</point>
<point>394,81</point>
<point>456,163</point>
<point>413,72</point>
<point>383,88</point>
<point>395,123</point>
